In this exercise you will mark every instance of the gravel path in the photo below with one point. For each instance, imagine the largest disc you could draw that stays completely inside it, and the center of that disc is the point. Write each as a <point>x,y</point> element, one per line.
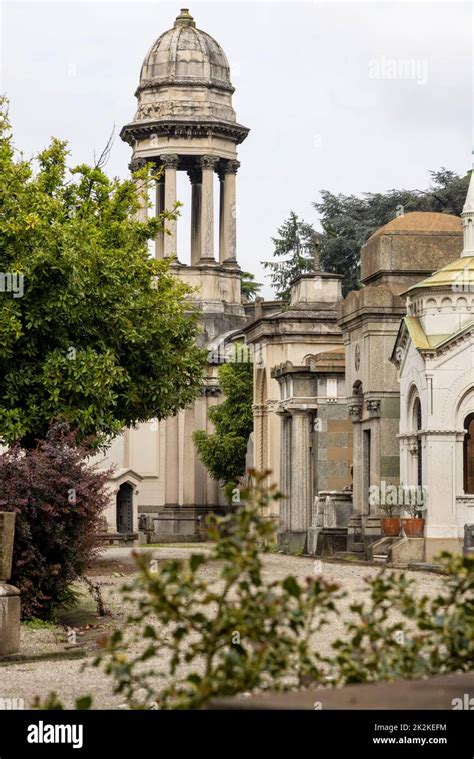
<point>70,679</point>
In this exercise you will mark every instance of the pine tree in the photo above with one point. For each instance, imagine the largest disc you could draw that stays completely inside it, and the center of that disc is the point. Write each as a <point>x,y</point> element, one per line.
<point>294,244</point>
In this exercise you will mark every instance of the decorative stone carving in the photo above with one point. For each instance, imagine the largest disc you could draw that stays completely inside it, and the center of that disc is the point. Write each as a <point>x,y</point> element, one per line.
<point>357,357</point>
<point>136,164</point>
<point>170,161</point>
<point>208,161</point>
<point>373,408</point>
<point>355,412</point>
<point>229,167</point>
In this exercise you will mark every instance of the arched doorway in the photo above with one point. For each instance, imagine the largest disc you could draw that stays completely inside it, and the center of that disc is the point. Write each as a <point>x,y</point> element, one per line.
<point>125,508</point>
<point>469,455</point>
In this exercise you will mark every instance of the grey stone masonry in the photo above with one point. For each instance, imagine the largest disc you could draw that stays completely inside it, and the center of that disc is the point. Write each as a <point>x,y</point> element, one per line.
<point>9,596</point>
<point>7,533</point>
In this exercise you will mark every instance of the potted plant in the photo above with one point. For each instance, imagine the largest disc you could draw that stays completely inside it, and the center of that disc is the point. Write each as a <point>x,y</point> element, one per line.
<point>391,524</point>
<point>414,524</point>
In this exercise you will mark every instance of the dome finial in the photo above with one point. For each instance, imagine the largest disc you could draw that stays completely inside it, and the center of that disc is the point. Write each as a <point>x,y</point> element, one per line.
<point>184,18</point>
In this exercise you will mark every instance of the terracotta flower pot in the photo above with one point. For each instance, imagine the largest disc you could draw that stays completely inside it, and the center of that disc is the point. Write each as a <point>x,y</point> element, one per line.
<point>413,527</point>
<point>391,527</point>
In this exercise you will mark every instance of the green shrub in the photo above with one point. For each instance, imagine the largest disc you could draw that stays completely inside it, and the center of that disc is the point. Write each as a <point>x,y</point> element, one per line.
<point>234,636</point>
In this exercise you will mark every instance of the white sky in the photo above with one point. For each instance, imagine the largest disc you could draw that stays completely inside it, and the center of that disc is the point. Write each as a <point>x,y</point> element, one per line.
<point>309,81</point>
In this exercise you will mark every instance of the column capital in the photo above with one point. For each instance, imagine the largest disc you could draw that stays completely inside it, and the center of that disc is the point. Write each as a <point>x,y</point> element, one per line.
<point>208,161</point>
<point>229,167</point>
<point>136,164</point>
<point>169,160</point>
<point>195,176</point>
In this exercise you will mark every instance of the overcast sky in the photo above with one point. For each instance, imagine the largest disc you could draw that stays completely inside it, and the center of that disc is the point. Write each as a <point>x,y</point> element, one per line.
<point>350,97</point>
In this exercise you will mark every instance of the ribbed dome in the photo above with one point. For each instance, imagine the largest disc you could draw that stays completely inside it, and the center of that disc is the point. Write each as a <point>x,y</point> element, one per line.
<point>188,55</point>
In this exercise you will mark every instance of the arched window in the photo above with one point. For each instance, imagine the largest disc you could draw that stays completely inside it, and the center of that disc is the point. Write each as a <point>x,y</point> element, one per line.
<point>469,454</point>
<point>419,454</point>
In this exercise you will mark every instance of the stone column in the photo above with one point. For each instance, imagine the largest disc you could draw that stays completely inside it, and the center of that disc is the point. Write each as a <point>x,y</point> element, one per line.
<point>170,162</point>
<point>9,595</point>
<point>195,177</point>
<point>141,189</point>
<point>221,175</point>
<point>172,473</point>
<point>159,208</point>
<point>227,239</point>
<point>300,508</point>
<point>285,470</point>
<point>206,231</point>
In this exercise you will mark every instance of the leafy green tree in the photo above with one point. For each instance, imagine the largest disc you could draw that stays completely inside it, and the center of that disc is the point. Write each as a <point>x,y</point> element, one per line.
<point>223,452</point>
<point>101,337</point>
<point>248,286</point>
<point>295,245</point>
<point>349,220</point>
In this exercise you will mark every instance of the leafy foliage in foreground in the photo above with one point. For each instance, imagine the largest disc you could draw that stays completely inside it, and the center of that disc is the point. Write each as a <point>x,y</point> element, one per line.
<point>199,640</point>
<point>234,636</point>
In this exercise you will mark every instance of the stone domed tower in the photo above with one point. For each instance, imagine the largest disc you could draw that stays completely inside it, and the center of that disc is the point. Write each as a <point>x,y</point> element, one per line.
<point>184,122</point>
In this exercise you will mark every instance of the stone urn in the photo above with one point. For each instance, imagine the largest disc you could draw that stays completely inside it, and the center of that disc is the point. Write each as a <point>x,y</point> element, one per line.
<point>9,595</point>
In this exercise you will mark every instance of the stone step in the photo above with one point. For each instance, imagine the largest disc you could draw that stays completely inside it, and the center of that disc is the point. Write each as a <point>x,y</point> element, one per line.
<point>380,558</point>
<point>349,555</point>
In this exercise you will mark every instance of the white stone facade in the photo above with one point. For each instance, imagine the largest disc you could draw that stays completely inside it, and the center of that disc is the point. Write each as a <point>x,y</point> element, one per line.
<point>434,353</point>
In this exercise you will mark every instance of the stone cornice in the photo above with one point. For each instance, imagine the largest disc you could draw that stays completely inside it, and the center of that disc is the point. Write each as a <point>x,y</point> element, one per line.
<point>140,130</point>
<point>408,436</point>
<point>171,81</point>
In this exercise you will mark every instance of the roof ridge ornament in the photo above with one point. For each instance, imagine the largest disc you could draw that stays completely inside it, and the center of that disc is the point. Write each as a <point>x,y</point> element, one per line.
<point>184,18</point>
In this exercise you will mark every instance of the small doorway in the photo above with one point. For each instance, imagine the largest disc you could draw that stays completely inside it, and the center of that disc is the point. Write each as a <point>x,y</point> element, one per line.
<point>367,465</point>
<point>125,508</point>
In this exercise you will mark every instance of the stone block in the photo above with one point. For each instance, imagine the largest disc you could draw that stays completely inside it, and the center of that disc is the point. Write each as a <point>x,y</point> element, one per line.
<point>390,408</point>
<point>435,546</point>
<point>340,425</point>
<point>407,550</point>
<point>293,542</point>
<point>7,534</point>
<point>339,454</point>
<point>468,546</point>
<point>389,466</point>
<point>9,620</point>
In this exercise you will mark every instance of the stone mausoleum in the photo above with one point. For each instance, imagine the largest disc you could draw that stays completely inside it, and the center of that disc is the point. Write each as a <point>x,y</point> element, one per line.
<point>434,355</point>
<point>396,256</point>
<point>372,390</point>
<point>184,122</point>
